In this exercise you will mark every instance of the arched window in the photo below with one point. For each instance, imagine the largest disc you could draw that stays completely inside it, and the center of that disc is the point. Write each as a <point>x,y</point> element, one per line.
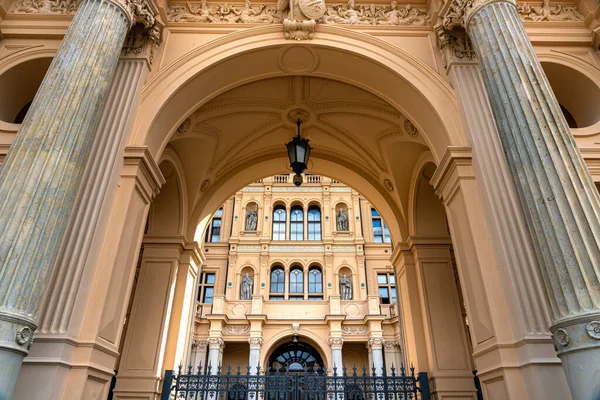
<point>314,223</point>
<point>279,215</point>
<point>277,286</point>
<point>297,223</point>
<point>315,284</point>
<point>296,284</point>
<point>381,234</point>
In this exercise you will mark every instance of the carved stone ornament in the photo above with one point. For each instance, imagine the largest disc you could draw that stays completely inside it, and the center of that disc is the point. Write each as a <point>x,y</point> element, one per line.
<point>264,261</point>
<point>562,337</point>
<point>236,329</point>
<point>303,20</point>
<point>376,343</point>
<point>143,42</point>
<point>205,185</point>
<point>455,46</point>
<point>389,345</point>
<point>593,329</point>
<point>546,12</point>
<point>355,330</point>
<point>336,342</point>
<point>255,342</point>
<point>410,129</point>
<point>215,343</point>
<point>387,184</point>
<point>200,344</point>
<point>184,127</point>
<point>24,335</point>
<point>295,328</point>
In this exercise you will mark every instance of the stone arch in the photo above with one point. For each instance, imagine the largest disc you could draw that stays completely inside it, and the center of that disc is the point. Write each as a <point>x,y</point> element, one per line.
<point>428,212</point>
<point>314,339</point>
<point>406,83</point>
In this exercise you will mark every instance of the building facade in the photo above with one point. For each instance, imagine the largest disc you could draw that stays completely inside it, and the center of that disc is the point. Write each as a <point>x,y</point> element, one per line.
<point>471,127</point>
<point>307,265</point>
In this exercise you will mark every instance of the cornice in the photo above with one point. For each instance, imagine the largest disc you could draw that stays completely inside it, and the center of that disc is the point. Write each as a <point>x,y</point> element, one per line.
<point>450,170</point>
<point>179,241</point>
<point>150,177</point>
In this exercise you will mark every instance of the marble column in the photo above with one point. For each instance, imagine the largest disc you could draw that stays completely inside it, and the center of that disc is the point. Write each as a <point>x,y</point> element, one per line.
<point>43,169</point>
<point>254,357</point>
<point>215,355</point>
<point>559,199</point>
<point>376,345</point>
<point>337,364</point>
<point>514,255</point>
<point>198,360</point>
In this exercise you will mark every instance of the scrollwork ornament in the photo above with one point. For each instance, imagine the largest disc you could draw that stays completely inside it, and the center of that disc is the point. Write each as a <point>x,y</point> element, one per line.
<point>593,330</point>
<point>562,337</point>
<point>24,335</point>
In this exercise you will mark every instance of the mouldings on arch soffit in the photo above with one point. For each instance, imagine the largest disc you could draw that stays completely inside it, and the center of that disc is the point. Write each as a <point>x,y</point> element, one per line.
<point>334,109</point>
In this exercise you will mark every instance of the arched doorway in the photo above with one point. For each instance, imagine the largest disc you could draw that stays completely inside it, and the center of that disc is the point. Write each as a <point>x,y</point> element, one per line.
<point>295,356</point>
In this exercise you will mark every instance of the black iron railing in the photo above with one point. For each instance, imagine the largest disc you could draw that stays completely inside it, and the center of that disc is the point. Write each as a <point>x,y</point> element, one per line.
<point>307,384</point>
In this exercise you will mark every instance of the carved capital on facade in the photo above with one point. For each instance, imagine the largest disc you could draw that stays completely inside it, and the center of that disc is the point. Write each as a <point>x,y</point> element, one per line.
<point>388,345</point>
<point>199,345</point>
<point>455,47</point>
<point>255,342</point>
<point>376,343</point>
<point>336,342</point>
<point>215,343</point>
<point>142,42</point>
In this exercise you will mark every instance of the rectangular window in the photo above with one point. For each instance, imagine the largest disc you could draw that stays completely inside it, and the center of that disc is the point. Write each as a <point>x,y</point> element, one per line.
<point>206,290</point>
<point>387,288</point>
<point>214,231</point>
<point>381,233</point>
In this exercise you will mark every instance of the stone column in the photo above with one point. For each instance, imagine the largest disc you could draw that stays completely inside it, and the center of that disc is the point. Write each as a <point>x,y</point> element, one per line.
<point>198,360</point>
<point>337,364</point>
<point>42,172</point>
<point>215,355</point>
<point>514,255</point>
<point>559,200</point>
<point>254,358</point>
<point>376,345</point>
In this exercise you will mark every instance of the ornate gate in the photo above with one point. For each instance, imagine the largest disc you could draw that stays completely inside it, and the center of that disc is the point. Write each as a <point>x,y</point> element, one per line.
<point>315,384</point>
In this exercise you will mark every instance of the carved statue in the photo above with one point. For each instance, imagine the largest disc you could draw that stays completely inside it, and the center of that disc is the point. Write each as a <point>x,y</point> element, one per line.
<point>299,17</point>
<point>247,286</point>
<point>251,220</point>
<point>345,288</point>
<point>342,220</point>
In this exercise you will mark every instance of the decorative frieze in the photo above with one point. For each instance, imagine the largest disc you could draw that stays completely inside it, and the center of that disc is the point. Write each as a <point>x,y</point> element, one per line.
<point>236,329</point>
<point>246,248</point>
<point>546,12</point>
<point>296,249</point>
<point>348,14</point>
<point>284,189</point>
<point>340,189</point>
<point>355,330</point>
<point>343,249</point>
<point>44,7</point>
<point>253,189</point>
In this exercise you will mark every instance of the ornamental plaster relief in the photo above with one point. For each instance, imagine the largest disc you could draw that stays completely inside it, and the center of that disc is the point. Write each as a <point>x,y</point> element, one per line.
<point>348,14</point>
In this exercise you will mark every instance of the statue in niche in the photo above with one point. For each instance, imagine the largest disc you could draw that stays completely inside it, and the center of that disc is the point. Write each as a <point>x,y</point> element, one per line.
<point>251,220</point>
<point>247,286</point>
<point>342,220</point>
<point>345,288</point>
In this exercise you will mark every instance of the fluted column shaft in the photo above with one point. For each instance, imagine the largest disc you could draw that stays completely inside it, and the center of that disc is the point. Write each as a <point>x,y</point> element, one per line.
<point>560,201</point>
<point>254,356</point>
<point>42,172</point>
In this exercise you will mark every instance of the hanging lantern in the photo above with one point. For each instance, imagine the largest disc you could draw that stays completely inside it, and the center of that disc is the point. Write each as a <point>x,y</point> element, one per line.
<point>298,152</point>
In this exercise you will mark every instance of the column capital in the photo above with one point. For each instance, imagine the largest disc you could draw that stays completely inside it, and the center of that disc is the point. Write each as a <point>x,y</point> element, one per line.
<point>336,342</point>
<point>141,43</point>
<point>215,343</point>
<point>199,345</point>
<point>255,342</point>
<point>376,343</point>
<point>457,13</point>
<point>455,47</point>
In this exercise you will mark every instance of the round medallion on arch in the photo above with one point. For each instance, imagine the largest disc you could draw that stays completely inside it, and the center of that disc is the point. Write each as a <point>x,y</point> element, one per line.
<point>352,310</point>
<point>298,59</point>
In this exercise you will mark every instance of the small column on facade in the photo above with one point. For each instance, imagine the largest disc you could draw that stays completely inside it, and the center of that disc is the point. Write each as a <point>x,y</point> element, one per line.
<point>198,359</point>
<point>559,199</point>
<point>215,355</point>
<point>254,357</point>
<point>42,172</point>
<point>376,348</point>
<point>391,358</point>
<point>337,364</point>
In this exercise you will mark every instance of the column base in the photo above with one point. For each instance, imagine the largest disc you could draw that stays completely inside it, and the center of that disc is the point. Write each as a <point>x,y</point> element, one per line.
<point>59,367</point>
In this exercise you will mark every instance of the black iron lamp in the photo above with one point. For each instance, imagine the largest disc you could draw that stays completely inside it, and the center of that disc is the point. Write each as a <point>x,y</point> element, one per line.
<point>298,152</point>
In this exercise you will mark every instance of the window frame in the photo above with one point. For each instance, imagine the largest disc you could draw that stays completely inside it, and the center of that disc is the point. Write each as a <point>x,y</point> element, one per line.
<point>204,285</point>
<point>381,233</point>
<point>277,295</point>
<point>296,278</point>
<point>313,294</point>
<point>281,223</point>
<point>389,286</point>
<point>314,225</point>
<point>296,226</point>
